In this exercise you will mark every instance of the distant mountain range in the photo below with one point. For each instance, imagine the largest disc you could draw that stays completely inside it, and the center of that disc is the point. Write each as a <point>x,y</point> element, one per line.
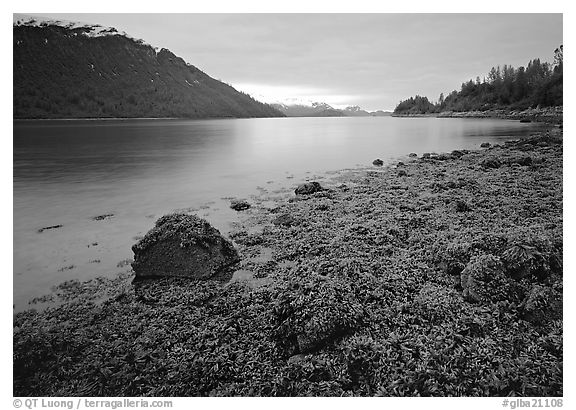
<point>72,70</point>
<point>320,109</point>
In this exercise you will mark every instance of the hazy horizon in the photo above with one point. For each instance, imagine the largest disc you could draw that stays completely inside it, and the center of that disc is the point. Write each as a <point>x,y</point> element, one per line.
<point>370,60</point>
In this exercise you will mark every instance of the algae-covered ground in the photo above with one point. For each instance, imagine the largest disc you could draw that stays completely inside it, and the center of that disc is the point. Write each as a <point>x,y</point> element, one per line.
<point>441,276</point>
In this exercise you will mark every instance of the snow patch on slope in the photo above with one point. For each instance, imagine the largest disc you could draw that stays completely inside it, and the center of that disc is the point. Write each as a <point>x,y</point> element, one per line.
<point>88,30</point>
<point>300,102</point>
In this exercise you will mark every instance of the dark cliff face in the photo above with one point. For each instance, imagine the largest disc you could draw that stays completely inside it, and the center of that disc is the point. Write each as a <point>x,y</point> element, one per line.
<point>64,73</point>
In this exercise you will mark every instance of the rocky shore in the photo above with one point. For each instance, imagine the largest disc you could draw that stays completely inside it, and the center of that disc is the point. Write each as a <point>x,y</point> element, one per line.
<point>552,115</point>
<point>438,276</point>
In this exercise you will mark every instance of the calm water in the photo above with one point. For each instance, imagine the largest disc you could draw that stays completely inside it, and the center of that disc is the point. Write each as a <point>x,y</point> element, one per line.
<point>67,172</point>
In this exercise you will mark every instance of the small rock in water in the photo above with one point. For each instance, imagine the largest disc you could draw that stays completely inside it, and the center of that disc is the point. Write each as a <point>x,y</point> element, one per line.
<point>184,246</point>
<point>400,164</point>
<point>378,162</point>
<point>308,188</point>
<point>124,263</point>
<point>49,227</point>
<point>102,217</point>
<point>485,145</point>
<point>426,155</point>
<point>412,155</point>
<point>239,205</point>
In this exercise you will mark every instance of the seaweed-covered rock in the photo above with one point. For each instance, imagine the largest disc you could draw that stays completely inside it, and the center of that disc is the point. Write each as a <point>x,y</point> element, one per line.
<point>323,205</point>
<point>239,205</point>
<point>436,303</point>
<point>362,355</point>
<point>462,206</point>
<point>483,280</point>
<point>182,245</point>
<point>523,261</point>
<point>490,162</point>
<point>313,311</point>
<point>452,257</point>
<point>523,160</point>
<point>308,188</point>
<point>457,153</point>
<point>284,220</point>
<point>542,305</point>
<point>246,239</point>
<point>426,155</point>
<point>378,162</point>
<point>441,157</point>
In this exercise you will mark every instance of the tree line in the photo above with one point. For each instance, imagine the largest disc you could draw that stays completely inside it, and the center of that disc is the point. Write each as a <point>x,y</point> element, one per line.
<point>537,84</point>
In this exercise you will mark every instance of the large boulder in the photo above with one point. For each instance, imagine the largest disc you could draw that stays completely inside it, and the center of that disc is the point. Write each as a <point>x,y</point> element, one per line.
<point>184,246</point>
<point>483,280</point>
<point>308,188</point>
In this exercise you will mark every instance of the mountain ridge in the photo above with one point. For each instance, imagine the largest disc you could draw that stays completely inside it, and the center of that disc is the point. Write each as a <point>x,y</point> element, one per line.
<point>321,109</point>
<point>72,70</point>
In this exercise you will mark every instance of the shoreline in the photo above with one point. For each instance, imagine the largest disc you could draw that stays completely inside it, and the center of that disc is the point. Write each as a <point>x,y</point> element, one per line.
<point>552,115</point>
<point>363,272</point>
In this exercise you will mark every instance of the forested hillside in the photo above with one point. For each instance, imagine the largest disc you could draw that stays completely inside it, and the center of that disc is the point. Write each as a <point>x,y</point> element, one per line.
<point>68,72</point>
<point>537,84</point>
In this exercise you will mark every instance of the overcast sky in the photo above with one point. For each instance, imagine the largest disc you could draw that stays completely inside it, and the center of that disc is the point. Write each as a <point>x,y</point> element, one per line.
<point>371,60</point>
